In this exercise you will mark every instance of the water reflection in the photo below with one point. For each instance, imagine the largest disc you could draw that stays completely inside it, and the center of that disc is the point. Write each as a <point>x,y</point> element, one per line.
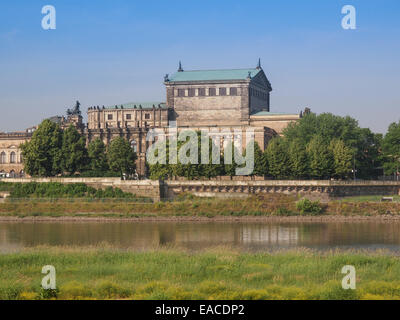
<point>248,236</point>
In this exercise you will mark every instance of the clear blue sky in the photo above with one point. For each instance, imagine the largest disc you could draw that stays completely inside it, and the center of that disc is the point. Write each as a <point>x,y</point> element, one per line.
<point>112,52</point>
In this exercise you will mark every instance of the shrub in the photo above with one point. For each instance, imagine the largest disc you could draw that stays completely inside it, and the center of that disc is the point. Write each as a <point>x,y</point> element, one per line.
<point>306,206</point>
<point>333,290</point>
<point>58,190</point>
<point>28,295</point>
<point>108,290</point>
<point>46,294</point>
<point>74,290</point>
<point>282,211</point>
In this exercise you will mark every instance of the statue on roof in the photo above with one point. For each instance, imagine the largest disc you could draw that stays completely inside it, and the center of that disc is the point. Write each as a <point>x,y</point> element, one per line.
<point>76,111</point>
<point>180,69</point>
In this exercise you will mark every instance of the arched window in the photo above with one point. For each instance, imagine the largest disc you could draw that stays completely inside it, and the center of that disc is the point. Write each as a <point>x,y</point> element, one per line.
<point>13,157</point>
<point>134,145</point>
<point>3,157</point>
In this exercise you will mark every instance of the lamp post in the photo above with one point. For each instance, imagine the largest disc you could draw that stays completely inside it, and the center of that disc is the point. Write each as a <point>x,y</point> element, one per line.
<point>354,167</point>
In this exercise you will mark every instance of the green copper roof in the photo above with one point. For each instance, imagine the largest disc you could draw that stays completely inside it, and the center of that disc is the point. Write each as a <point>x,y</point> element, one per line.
<point>266,113</point>
<point>216,75</point>
<point>144,105</point>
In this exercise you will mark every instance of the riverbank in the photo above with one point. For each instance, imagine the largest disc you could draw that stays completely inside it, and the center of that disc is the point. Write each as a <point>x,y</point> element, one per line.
<point>187,207</point>
<point>219,273</point>
<point>194,219</point>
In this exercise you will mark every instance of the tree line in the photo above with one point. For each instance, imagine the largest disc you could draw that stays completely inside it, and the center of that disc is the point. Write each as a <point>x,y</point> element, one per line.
<point>320,146</point>
<point>53,151</point>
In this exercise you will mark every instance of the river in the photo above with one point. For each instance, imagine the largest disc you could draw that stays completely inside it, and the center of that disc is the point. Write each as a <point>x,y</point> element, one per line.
<point>371,235</point>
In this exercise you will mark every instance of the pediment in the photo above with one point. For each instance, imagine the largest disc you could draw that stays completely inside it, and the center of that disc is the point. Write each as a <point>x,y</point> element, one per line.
<point>261,80</point>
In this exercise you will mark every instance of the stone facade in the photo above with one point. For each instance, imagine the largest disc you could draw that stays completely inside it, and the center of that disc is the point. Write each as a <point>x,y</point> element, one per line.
<point>10,153</point>
<point>214,100</point>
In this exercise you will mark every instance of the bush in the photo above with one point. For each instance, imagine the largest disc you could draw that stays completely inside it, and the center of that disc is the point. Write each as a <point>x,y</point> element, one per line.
<point>110,290</point>
<point>306,206</point>
<point>58,190</point>
<point>282,211</point>
<point>74,290</point>
<point>46,294</point>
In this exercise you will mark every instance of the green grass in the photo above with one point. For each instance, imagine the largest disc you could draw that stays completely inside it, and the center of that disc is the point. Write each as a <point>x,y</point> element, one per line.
<point>396,198</point>
<point>219,273</point>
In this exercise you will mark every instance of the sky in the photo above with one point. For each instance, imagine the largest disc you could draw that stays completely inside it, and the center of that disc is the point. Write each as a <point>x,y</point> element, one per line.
<point>113,52</point>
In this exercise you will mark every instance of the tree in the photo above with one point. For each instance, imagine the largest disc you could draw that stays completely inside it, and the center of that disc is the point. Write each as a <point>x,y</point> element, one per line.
<point>298,159</point>
<point>211,169</point>
<point>97,156</point>
<point>321,158</point>
<point>42,154</point>
<point>159,168</point>
<point>260,161</point>
<point>230,164</point>
<point>342,159</point>
<point>391,149</point>
<point>74,152</point>
<point>329,127</point>
<point>278,159</point>
<point>121,157</point>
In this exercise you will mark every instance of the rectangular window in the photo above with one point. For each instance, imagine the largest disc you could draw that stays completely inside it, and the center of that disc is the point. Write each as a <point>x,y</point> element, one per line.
<point>147,116</point>
<point>202,92</point>
<point>181,92</point>
<point>191,92</point>
<point>212,92</point>
<point>222,91</point>
<point>109,117</point>
<point>233,91</point>
<point>128,117</point>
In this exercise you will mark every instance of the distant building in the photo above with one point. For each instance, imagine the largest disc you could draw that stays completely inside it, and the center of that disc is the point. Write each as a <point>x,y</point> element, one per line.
<point>200,99</point>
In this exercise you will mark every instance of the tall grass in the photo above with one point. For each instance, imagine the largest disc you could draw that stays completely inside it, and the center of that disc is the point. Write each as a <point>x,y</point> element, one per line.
<point>103,273</point>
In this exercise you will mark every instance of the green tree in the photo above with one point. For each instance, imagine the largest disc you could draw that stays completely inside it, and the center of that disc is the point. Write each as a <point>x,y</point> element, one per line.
<point>391,149</point>
<point>342,159</point>
<point>329,127</point>
<point>298,159</point>
<point>260,161</point>
<point>74,152</point>
<point>97,156</point>
<point>320,157</point>
<point>121,157</point>
<point>42,154</point>
<point>230,164</point>
<point>189,156</point>
<point>212,170</point>
<point>278,158</point>
<point>161,169</point>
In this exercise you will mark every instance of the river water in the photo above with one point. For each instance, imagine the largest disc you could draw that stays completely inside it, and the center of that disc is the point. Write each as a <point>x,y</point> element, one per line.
<point>196,236</point>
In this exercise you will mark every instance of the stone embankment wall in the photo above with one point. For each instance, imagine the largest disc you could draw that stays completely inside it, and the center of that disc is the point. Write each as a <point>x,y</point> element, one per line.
<point>322,189</point>
<point>145,188</point>
<point>312,189</point>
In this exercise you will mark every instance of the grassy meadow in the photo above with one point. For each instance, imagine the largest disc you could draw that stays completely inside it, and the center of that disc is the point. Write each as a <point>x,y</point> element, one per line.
<point>219,273</point>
